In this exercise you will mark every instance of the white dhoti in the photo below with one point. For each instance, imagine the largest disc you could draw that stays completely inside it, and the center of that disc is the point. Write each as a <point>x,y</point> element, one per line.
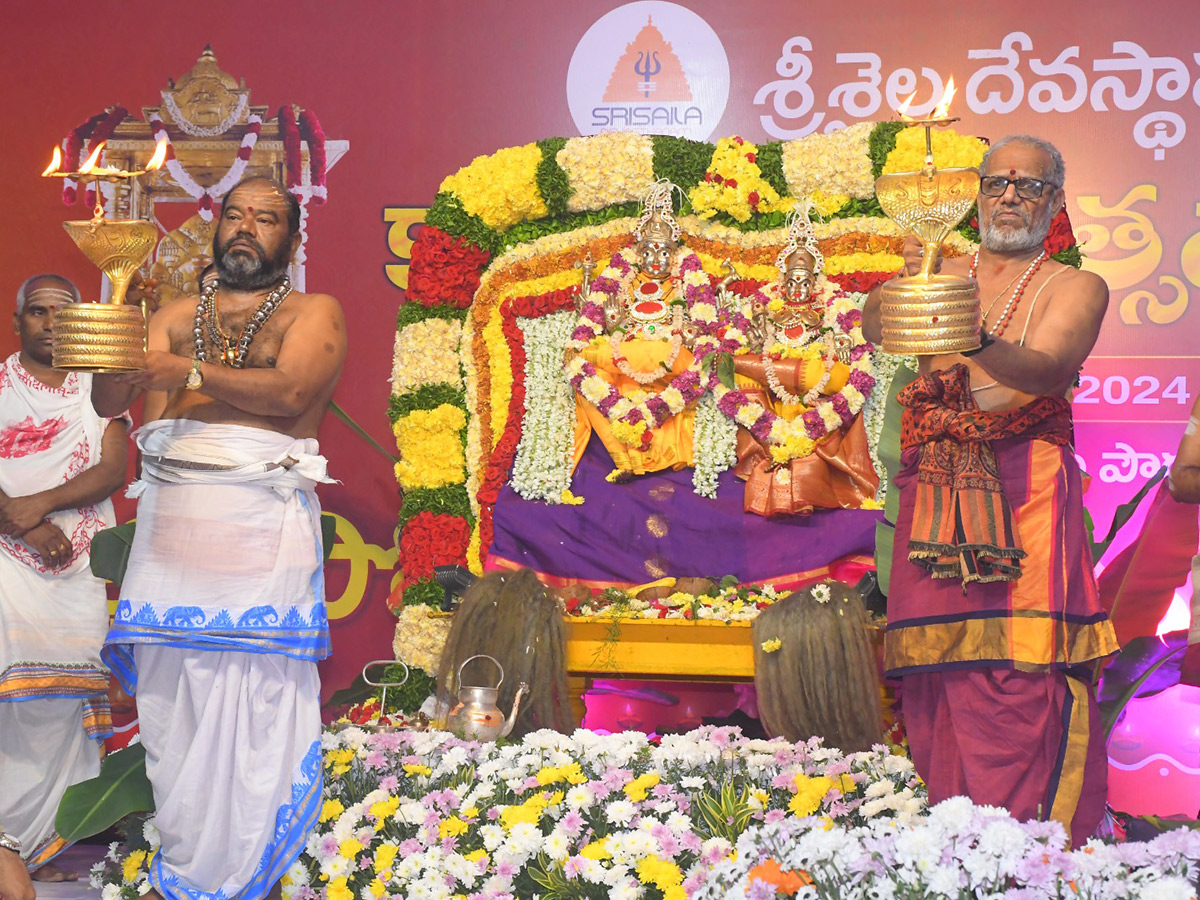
<point>219,627</point>
<point>43,751</point>
<point>53,685</point>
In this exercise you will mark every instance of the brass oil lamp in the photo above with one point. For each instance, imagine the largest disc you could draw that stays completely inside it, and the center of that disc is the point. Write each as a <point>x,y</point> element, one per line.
<point>928,314</point>
<point>109,336</point>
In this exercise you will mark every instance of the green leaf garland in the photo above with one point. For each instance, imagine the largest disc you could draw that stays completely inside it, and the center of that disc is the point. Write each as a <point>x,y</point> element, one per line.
<point>552,181</point>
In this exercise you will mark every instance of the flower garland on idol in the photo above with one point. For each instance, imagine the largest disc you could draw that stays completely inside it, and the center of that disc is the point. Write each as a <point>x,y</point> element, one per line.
<point>199,131</point>
<point>206,196</point>
<point>633,422</point>
<point>798,436</point>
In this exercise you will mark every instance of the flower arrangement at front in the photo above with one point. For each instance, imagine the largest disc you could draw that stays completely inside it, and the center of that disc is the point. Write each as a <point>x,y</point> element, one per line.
<point>634,419</point>
<point>806,421</point>
<point>424,814</point>
<point>724,602</point>
<point>956,850</point>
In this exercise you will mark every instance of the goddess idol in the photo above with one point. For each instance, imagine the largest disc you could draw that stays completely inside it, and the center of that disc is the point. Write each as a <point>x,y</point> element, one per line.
<point>637,355</point>
<point>801,389</point>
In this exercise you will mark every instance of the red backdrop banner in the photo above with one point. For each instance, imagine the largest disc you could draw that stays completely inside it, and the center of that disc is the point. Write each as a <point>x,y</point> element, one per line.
<point>420,89</point>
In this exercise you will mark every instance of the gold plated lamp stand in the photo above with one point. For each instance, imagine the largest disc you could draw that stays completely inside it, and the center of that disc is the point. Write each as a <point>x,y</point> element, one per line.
<point>109,336</point>
<point>928,314</point>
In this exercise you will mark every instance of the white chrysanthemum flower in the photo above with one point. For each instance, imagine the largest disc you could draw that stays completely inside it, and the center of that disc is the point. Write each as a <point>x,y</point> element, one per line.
<point>620,812</point>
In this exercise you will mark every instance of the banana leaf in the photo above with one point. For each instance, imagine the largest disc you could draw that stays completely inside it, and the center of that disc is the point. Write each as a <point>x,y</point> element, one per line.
<point>97,804</point>
<point>1137,587</point>
<point>1123,514</point>
<point>110,552</point>
<point>360,431</point>
<point>111,546</point>
<point>1145,666</point>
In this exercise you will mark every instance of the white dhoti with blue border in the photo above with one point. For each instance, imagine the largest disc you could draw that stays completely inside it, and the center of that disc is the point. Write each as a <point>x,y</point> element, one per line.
<point>218,630</point>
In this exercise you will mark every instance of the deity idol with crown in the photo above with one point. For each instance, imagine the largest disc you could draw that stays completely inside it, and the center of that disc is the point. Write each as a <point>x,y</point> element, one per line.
<point>801,388</point>
<point>636,356</point>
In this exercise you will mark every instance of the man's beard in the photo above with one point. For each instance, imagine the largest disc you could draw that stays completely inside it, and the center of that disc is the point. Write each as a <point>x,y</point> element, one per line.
<point>240,271</point>
<point>1030,236</point>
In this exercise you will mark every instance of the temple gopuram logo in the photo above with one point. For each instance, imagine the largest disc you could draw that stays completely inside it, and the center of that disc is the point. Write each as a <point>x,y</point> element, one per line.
<point>652,67</point>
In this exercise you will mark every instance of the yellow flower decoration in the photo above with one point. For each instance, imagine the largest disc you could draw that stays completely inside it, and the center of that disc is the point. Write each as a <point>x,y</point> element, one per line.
<point>525,813</point>
<point>772,645</point>
<point>734,184</point>
<point>809,793</point>
<point>132,865</point>
<point>863,262</point>
<point>629,434</point>
<point>661,873</point>
<point>796,446</point>
<point>331,810</point>
<point>338,890</point>
<point>950,150</point>
<point>431,451</point>
<point>828,204</point>
<point>502,188</point>
<point>385,855</point>
<point>596,850</point>
<point>636,789</point>
<point>452,827</point>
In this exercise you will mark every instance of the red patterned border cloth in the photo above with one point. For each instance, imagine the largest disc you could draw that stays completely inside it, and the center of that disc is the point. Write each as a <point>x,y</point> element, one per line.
<point>962,522</point>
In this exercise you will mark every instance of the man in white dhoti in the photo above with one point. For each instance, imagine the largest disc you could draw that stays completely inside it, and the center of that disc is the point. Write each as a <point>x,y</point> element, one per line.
<point>59,462</point>
<point>222,613</point>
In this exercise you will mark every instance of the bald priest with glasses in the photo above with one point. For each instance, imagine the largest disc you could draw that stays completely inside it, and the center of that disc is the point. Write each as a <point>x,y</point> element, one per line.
<point>994,622</point>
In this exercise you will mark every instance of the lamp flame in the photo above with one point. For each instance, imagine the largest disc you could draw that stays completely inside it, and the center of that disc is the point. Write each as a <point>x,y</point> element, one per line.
<point>903,110</point>
<point>92,160</point>
<point>159,157</point>
<point>943,107</point>
<point>55,162</point>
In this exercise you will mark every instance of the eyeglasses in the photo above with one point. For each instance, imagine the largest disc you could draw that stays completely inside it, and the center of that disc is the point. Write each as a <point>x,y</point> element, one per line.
<point>1027,188</point>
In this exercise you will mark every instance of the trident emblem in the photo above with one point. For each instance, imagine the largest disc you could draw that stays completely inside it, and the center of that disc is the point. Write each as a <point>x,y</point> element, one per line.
<point>647,66</point>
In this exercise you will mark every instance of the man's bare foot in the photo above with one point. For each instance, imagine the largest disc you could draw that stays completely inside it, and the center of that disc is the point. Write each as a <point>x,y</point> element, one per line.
<point>52,873</point>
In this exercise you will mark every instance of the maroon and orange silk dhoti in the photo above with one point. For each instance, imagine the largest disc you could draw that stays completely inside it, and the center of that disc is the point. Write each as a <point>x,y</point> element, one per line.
<point>993,613</point>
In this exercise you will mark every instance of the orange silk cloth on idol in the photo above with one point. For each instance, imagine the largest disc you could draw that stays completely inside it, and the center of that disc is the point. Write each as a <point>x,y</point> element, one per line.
<point>671,447</point>
<point>838,474</point>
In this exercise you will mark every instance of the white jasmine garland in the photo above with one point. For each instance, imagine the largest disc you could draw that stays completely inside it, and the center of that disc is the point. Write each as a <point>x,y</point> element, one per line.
<point>474,450</point>
<point>714,446</point>
<point>886,366</point>
<point>542,465</point>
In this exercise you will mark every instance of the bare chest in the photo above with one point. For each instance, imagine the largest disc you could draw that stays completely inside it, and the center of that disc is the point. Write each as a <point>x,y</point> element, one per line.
<point>234,334</point>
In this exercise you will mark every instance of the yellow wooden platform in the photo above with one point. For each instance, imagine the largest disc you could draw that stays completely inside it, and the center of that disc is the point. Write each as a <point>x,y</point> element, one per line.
<point>655,649</point>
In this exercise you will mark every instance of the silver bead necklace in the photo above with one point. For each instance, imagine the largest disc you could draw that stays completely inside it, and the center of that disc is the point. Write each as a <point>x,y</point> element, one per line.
<point>233,355</point>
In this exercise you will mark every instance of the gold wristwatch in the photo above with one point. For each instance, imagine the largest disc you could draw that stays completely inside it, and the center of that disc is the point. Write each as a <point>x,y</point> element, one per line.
<point>195,377</point>
<point>8,842</point>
